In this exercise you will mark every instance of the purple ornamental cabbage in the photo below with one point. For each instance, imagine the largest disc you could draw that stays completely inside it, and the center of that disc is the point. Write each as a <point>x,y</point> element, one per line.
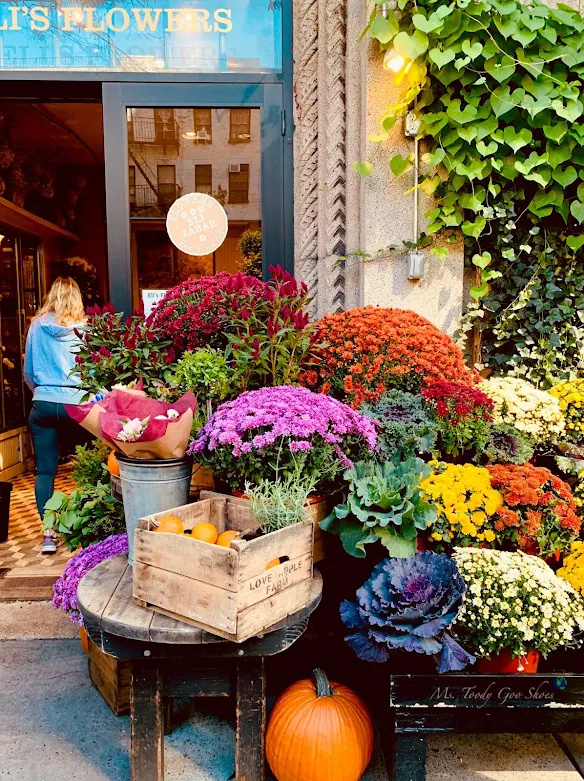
<point>65,589</point>
<point>408,604</point>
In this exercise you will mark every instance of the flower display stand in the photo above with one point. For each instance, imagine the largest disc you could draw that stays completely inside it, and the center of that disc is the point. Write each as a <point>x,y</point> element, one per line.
<point>421,705</point>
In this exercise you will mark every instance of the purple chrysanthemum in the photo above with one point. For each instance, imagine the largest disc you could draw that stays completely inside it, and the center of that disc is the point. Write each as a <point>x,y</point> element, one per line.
<point>286,420</point>
<point>65,589</point>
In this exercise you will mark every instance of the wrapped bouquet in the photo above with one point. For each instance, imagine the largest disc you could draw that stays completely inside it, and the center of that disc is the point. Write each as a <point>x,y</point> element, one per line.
<point>138,426</point>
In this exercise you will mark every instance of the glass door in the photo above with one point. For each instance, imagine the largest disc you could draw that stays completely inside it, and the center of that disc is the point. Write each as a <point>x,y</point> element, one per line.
<point>225,140</point>
<point>19,299</point>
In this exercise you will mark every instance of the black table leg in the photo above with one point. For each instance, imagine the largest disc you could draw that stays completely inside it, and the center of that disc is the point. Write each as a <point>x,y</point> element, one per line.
<point>407,761</point>
<point>250,719</point>
<point>147,723</point>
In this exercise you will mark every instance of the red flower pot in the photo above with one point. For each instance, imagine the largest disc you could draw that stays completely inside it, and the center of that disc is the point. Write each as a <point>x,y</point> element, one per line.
<point>503,662</point>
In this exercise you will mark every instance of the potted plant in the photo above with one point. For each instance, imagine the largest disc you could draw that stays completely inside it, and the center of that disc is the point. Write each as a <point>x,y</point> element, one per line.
<point>263,434</point>
<point>408,604</point>
<point>539,514</point>
<point>384,503</point>
<point>515,609</point>
<point>404,425</point>
<point>463,415</point>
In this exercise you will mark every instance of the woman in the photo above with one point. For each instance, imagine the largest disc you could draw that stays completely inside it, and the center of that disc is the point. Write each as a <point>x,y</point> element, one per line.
<point>49,359</point>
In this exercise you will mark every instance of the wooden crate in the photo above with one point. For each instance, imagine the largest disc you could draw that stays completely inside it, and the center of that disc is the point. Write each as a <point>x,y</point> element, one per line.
<point>111,677</point>
<point>225,591</point>
<point>241,518</point>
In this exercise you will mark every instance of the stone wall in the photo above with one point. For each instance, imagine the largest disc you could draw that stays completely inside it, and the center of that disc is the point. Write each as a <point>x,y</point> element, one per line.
<point>340,91</point>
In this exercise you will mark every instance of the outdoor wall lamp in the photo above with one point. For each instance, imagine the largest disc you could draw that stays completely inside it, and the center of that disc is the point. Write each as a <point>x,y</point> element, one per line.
<point>394,62</point>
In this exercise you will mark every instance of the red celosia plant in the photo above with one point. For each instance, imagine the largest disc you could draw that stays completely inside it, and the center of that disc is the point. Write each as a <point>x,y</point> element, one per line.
<point>117,351</point>
<point>539,514</point>
<point>463,414</point>
<point>362,353</point>
<point>194,314</point>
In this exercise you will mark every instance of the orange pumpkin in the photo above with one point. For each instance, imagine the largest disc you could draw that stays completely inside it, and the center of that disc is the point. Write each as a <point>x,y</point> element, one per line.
<point>319,731</point>
<point>112,464</point>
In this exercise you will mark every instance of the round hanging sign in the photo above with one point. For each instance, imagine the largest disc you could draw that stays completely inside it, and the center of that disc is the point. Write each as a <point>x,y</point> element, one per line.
<point>197,224</point>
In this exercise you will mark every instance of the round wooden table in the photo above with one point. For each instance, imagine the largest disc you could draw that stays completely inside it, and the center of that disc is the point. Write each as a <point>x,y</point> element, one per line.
<point>173,659</point>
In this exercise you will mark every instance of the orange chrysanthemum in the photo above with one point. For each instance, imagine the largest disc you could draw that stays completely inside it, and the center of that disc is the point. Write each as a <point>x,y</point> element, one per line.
<point>544,517</point>
<point>399,348</point>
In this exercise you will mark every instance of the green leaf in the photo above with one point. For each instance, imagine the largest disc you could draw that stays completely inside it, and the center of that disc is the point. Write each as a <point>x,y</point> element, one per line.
<point>396,545</point>
<point>56,501</point>
<point>500,68</point>
<point>558,154</point>
<point>399,165</point>
<point>441,58</point>
<point>577,210</point>
<point>384,29</point>
<point>475,228</point>
<point>472,50</point>
<point>487,149</point>
<point>442,253</point>
<point>411,46</point>
<point>570,111</point>
<point>427,24</point>
<point>482,261</point>
<point>516,140</point>
<point>461,116</point>
<point>501,101</point>
<point>434,158</point>
<point>565,176</point>
<point>354,537</point>
<point>428,186</point>
<point>575,242</point>
<point>556,132</point>
<point>479,291</point>
<point>363,169</point>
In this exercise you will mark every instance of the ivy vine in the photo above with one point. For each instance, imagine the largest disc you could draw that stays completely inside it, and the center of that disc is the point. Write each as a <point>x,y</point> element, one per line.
<point>497,85</point>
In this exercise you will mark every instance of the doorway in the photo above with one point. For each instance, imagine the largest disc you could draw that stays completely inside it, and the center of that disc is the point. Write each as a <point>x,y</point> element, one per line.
<point>225,140</point>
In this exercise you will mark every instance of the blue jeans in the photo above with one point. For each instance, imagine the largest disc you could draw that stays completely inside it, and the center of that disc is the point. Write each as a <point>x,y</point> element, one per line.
<point>50,426</point>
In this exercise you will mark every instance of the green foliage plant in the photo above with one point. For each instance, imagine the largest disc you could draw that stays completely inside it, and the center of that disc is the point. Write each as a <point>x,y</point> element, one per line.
<point>506,444</point>
<point>117,351</point>
<point>385,503</point>
<point>497,86</point>
<point>250,246</point>
<point>204,372</point>
<point>89,464</point>
<point>87,515</point>
<point>281,502</point>
<point>405,426</point>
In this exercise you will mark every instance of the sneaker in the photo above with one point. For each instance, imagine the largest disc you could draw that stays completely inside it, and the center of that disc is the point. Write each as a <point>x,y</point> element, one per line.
<point>49,545</point>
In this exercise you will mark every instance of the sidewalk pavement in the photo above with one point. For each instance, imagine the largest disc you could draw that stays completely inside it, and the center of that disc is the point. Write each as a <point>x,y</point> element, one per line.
<point>54,725</point>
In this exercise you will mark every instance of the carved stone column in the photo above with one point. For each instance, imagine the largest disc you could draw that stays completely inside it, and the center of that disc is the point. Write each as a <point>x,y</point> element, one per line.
<point>320,149</point>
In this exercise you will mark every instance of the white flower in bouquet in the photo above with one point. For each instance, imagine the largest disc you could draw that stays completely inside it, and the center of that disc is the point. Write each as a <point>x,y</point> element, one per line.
<point>531,410</point>
<point>132,429</point>
<point>171,414</point>
<point>531,608</point>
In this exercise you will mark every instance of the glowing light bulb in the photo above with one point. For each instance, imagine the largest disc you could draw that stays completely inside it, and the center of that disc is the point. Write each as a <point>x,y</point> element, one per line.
<point>393,62</point>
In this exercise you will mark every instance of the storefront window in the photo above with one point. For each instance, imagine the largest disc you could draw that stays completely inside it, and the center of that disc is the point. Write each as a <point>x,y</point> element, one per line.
<point>197,156</point>
<point>140,36</point>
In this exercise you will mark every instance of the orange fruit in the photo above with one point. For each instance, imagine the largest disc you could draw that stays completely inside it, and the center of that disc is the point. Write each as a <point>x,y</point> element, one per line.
<point>170,524</point>
<point>225,538</point>
<point>112,464</point>
<point>272,563</point>
<point>205,532</point>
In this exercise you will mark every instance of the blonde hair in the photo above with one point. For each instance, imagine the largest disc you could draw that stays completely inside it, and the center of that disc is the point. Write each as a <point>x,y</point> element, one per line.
<point>64,301</point>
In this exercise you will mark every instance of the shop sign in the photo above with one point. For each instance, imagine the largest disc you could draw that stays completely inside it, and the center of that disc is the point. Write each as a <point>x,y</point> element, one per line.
<point>136,35</point>
<point>150,298</point>
<point>197,224</point>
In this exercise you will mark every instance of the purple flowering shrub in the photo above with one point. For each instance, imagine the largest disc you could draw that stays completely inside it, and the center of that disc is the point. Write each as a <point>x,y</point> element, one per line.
<point>65,589</point>
<point>265,433</point>
<point>408,604</point>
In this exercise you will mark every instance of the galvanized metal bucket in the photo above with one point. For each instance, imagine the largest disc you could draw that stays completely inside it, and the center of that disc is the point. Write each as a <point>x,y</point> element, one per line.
<point>152,486</point>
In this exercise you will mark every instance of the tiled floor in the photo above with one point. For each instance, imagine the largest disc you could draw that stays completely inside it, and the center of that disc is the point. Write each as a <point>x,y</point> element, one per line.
<point>20,555</point>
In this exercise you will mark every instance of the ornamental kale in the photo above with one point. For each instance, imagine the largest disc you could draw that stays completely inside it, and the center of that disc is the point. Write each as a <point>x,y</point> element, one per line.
<point>405,426</point>
<point>408,604</point>
<point>65,589</point>
<point>384,503</point>
<point>507,445</point>
<point>264,432</point>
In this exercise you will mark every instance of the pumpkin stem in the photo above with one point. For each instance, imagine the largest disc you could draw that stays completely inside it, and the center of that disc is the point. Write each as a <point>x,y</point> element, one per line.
<point>323,687</point>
